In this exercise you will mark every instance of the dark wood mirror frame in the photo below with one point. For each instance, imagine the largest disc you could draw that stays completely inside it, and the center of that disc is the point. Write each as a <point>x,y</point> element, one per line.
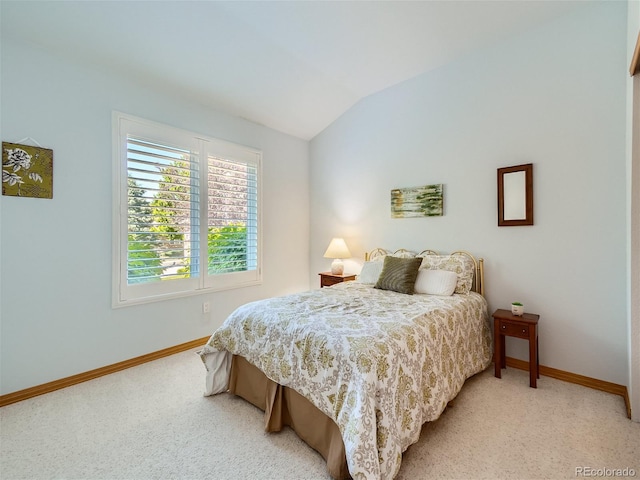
<point>527,219</point>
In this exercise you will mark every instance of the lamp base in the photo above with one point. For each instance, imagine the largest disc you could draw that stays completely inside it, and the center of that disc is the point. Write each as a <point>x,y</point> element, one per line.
<point>337,267</point>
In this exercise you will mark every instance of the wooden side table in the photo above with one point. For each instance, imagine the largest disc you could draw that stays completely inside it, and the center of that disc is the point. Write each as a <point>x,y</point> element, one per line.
<point>327,278</point>
<point>506,324</point>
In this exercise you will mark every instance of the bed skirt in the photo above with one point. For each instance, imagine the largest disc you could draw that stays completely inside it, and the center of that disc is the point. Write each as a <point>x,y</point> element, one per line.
<point>286,407</point>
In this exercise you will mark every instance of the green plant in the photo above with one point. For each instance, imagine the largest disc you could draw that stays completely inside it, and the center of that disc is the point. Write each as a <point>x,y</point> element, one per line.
<point>227,250</point>
<point>143,263</point>
<point>517,304</point>
<point>227,247</point>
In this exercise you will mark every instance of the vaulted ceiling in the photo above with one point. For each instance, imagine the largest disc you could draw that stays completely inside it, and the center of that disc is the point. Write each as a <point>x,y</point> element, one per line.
<point>293,66</point>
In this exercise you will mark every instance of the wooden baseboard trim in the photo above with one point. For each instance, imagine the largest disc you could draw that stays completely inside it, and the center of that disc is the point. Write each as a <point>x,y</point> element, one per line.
<point>27,393</point>
<point>20,395</point>
<point>577,379</point>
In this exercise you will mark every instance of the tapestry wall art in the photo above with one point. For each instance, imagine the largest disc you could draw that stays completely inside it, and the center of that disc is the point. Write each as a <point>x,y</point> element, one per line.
<point>27,171</point>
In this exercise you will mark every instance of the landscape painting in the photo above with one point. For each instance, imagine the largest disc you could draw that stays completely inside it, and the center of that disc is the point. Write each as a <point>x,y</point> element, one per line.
<point>426,201</point>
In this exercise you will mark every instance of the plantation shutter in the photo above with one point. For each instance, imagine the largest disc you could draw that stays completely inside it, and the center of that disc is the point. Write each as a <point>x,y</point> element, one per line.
<point>186,213</point>
<point>163,212</point>
<point>232,215</point>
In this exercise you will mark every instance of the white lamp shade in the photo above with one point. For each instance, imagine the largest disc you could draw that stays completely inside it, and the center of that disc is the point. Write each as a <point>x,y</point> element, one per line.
<point>337,249</point>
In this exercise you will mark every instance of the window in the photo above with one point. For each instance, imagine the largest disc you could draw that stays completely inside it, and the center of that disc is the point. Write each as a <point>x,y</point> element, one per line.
<point>186,213</point>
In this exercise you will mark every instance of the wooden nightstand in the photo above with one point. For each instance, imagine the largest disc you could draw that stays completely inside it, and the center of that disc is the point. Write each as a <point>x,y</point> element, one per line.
<point>526,326</point>
<point>327,278</point>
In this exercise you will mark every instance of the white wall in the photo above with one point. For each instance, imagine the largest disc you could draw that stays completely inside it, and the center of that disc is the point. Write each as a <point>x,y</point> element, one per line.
<point>554,97</point>
<point>56,310</point>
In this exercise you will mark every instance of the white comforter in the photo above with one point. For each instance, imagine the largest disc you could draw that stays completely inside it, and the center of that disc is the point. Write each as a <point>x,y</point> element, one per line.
<point>378,363</point>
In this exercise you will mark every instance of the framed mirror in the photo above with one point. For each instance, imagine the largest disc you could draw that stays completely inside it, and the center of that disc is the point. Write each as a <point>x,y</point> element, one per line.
<point>515,195</point>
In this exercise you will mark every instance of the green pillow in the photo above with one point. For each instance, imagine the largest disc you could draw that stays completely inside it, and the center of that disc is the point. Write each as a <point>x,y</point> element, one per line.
<point>399,274</point>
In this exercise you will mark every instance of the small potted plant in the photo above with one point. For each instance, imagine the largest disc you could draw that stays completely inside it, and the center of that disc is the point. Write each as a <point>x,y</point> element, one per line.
<point>517,309</point>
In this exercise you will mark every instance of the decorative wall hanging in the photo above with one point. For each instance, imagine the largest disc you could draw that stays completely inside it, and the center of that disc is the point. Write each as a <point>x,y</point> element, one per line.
<point>426,201</point>
<point>27,171</point>
<point>515,195</point>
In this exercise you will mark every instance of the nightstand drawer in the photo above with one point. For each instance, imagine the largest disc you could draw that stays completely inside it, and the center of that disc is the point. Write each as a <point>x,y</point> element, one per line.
<point>327,278</point>
<point>328,281</point>
<point>514,330</point>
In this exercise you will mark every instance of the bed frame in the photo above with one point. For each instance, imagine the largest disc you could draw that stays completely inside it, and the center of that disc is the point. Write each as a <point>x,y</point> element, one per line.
<point>478,263</point>
<point>285,407</point>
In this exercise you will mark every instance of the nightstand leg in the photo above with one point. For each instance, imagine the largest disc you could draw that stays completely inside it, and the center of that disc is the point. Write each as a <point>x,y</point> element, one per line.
<point>497,351</point>
<point>538,356</point>
<point>503,349</point>
<point>533,358</point>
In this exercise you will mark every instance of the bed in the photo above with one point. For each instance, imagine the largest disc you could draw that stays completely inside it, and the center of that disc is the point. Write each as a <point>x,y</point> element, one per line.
<point>357,368</point>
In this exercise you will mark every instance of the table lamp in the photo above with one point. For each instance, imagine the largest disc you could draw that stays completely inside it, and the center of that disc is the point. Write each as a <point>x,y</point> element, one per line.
<point>337,250</point>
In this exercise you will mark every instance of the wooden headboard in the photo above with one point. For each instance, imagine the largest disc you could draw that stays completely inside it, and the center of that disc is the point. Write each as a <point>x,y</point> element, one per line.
<point>478,263</point>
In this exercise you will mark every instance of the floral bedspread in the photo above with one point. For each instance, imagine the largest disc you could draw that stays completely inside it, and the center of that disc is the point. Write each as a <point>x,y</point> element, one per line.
<point>379,363</point>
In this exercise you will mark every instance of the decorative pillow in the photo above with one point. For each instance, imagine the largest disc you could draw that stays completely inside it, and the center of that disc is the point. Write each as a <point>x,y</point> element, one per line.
<point>399,274</point>
<point>436,282</point>
<point>370,272</point>
<point>460,264</point>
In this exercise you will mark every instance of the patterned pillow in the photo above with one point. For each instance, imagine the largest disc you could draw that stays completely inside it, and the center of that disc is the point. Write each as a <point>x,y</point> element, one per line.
<point>370,272</point>
<point>461,264</point>
<point>399,274</point>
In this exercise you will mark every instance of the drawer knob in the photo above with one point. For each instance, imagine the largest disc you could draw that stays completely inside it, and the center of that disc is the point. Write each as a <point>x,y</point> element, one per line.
<point>523,330</point>
<point>504,327</point>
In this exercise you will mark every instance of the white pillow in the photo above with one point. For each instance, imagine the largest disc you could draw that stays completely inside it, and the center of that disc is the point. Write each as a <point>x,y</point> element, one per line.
<point>370,272</point>
<point>436,282</point>
<point>460,264</point>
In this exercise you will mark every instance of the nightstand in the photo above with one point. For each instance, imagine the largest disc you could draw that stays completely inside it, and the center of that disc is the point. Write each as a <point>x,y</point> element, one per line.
<point>327,278</point>
<point>526,327</point>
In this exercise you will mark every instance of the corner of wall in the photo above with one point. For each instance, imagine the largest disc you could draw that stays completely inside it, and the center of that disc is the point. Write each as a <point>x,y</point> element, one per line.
<point>633,214</point>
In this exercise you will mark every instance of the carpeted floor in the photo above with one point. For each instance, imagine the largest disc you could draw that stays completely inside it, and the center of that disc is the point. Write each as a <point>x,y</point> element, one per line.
<point>152,422</point>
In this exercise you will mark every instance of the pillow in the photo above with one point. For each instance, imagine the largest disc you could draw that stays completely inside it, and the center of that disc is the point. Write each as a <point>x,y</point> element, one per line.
<point>399,274</point>
<point>370,272</point>
<point>436,282</point>
<point>460,264</point>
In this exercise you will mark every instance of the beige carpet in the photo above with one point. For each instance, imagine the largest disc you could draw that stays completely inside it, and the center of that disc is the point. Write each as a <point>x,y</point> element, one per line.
<point>152,422</point>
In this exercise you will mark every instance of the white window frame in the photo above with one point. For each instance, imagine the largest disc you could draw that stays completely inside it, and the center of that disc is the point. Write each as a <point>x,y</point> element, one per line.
<point>203,147</point>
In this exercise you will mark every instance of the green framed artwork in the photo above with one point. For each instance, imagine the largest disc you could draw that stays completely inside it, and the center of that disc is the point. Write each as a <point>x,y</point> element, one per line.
<point>426,201</point>
<point>27,171</point>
